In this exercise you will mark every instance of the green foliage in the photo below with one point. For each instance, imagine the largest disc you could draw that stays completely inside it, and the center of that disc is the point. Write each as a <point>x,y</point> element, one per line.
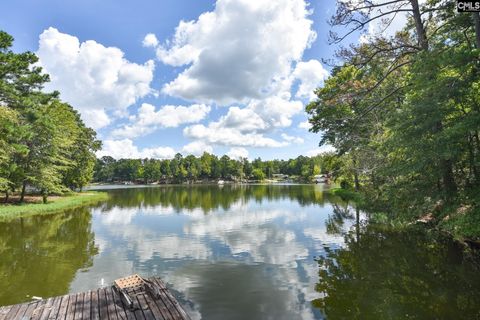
<point>403,113</point>
<point>258,174</point>
<point>47,146</point>
<point>9,121</point>
<point>209,167</point>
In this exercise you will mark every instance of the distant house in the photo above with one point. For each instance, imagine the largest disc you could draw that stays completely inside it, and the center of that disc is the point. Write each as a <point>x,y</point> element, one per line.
<point>320,178</point>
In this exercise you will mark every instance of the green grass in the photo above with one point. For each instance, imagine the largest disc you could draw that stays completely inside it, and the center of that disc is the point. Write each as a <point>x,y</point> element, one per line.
<point>463,226</point>
<point>9,211</point>
<point>348,195</point>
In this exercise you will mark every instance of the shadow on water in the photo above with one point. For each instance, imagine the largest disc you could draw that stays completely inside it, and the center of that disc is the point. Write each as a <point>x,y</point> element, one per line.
<point>40,255</point>
<point>385,274</point>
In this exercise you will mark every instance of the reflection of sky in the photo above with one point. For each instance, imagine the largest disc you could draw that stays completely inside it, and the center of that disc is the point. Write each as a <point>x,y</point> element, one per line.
<point>255,260</point>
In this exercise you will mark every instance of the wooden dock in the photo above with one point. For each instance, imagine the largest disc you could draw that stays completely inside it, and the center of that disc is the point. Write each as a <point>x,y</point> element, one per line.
<point>104,303</point>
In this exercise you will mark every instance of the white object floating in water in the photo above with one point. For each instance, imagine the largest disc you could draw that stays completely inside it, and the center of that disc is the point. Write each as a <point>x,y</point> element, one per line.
<point>36,298</point>
<point>102,282</point>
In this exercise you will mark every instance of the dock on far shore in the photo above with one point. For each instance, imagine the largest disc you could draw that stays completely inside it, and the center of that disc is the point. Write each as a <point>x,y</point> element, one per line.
<point>103,303</point>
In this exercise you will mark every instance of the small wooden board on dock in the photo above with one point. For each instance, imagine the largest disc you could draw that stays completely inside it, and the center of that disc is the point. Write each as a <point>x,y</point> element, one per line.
<point>104,303</point>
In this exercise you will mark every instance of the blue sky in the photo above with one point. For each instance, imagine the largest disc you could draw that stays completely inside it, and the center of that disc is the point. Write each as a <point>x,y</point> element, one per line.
<point>226,76</point>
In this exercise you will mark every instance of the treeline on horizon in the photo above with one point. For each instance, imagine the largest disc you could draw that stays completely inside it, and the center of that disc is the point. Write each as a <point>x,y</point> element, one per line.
<point>44,144</point>
<point>403,112</point>
<point>210,167</point>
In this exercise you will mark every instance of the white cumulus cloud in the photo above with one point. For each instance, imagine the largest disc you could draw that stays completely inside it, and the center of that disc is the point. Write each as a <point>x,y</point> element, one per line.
<point>319,150</point>
<point>248,126</point>
<point>277,110</point>
<point>241,50</point>
<point>197,148</point>
<point>242,55</point>
<point>216,134</point>
<point>92,77</point>
<point>244,120</point>
<point>305,125</point>
<point>237,153</point>
<point>148,119</point>
<point>125,148</point>
<point>150,40</point>
<point>291,139</point>
<point>311,74</point>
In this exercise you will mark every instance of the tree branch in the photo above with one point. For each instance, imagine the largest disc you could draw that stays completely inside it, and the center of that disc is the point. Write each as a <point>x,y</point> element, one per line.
<point>363,24</point>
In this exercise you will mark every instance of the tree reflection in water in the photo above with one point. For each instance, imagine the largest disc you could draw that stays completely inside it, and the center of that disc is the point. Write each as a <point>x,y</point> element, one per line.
<point>385,274</point>
<point>204,239</point>
<point>212,197</point>
<point>40,255</point>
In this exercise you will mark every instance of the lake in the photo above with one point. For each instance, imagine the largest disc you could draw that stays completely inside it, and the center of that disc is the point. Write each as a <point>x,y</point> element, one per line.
<point>243,252</point>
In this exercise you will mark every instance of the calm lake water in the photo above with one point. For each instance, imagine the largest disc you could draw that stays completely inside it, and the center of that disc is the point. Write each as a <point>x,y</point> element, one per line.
<point>242,252</point>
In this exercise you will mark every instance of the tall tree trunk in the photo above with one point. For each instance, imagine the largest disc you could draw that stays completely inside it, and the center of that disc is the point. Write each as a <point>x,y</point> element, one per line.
<point>446,168</point>
<point>22,195</point>
<point>357,223</point>
<point>357,183</point>
<point>446,165</point>
<point>448,179</point>
<point>472,160</point>
<point>6,196</point>
<point>476,151</point>
<point>419,27</point>
<point>355,174</point>
<point>476,21</point>
<point>44,196</point>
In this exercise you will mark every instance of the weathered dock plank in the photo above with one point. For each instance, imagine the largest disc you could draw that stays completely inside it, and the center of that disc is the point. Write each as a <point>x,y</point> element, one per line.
<point>112,312</point>
<point>142,302</point>
<point>94,311</point>
<point>55,308</point>
<point>62,311</point>
<point>70,313</point>
<point>45,311</point>
<point>138,311</point>
<point>117,305</point>
<point>30,310</point>
<point>86,310</point>
<point>172,304</point>
<point>12,312</point>
<point>101,304</point>
<point>38,310</point>
<point>4,311</point>
<point>159,310</point>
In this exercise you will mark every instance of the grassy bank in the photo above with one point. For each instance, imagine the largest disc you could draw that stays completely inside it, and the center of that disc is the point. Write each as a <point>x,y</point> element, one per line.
<point>460,218</point>
<point>54,204</point>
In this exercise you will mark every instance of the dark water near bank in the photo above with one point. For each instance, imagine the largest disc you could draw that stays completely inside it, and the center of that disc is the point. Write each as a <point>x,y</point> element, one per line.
<point>243,252</point>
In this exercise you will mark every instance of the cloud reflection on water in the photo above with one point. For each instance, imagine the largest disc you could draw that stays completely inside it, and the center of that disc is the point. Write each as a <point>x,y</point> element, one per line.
<point>253,258</point>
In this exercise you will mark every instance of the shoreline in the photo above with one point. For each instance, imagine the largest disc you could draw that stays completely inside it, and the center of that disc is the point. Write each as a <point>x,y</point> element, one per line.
<point>212,182</point>
<point>12,211</point>
<point>111,186</point>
